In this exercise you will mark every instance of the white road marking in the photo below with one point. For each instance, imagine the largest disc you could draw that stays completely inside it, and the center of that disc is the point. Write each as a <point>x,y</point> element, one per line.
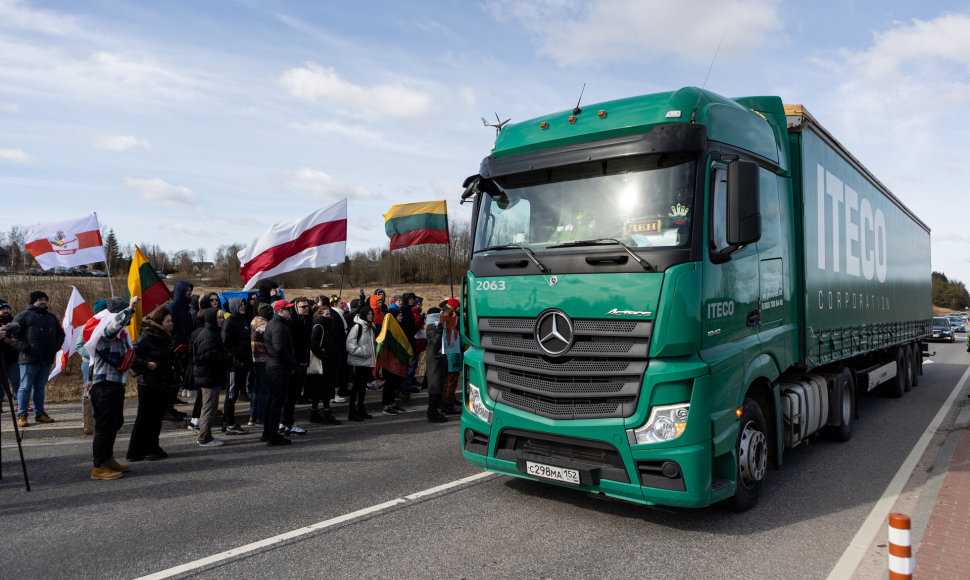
<point>879,516</point>
<point>261,544</point>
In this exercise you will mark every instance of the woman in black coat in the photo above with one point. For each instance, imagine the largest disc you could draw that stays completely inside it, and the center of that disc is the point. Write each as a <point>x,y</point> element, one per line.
<point>154,363</point>
<point>210,366</point>
<point>327,351</point>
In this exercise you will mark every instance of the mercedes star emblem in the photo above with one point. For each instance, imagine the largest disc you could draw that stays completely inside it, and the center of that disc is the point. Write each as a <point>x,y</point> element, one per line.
<point>554,332</point>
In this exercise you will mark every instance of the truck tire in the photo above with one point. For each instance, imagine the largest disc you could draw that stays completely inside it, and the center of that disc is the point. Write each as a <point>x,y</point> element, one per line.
<point>908,375</point>
<point>752,453</point>
<point>917,365</point>
<point>896,386</point>
<point>843,402</point>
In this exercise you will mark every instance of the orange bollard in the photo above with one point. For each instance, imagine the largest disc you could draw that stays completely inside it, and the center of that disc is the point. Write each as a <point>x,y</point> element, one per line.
<point>901,560</point>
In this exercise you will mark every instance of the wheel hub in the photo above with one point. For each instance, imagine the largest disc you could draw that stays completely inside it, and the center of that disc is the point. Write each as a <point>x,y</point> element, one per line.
<point>752,455</point>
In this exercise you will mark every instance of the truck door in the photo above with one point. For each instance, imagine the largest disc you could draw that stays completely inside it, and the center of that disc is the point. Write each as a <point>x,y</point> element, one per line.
<point>730,308</point>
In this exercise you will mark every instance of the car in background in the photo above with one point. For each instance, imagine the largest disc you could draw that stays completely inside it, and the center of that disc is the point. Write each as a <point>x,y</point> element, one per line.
<point>942,330</point>
<point>957,322</point>
<point>37,272</point>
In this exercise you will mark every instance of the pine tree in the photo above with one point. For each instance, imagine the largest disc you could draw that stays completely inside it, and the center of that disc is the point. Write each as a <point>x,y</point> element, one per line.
<point>112,252</point>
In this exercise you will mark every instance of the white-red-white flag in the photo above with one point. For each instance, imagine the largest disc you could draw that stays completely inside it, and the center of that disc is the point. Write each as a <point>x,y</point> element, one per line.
<point>67,243</point>
<point>313,241</point>
<point>78,312</point>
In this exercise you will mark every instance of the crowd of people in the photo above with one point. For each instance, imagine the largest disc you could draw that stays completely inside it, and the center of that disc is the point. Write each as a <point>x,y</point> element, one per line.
<point>273,352</point>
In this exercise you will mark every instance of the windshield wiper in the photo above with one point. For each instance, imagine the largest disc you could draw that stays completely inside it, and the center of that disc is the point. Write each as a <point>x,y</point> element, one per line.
<point>532,256</point>
<point>601,241</point>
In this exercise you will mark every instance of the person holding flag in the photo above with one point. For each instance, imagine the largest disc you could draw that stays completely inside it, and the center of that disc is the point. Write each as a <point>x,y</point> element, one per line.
<point>109,346</point>
<point>394,354</point>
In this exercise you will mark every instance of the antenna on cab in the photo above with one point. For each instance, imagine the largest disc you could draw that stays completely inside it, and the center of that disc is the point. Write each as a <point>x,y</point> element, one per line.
<point>693,114</point>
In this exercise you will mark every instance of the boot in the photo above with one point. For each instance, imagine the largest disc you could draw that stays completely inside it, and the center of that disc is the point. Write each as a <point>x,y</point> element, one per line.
<point>87,417</point>
<point>352,414</point>
<point>329,419</point>
<point>104,472</point>
<point>362,412</point>
<point>315,416</point>
<point>114,465</point>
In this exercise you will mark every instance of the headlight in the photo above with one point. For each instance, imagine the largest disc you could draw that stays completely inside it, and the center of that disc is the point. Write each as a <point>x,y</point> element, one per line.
<point>666,422</point>
<point>475,404</point>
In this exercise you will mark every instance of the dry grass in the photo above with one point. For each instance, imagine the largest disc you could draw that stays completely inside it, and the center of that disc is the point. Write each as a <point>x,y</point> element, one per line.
<point>66,386</point>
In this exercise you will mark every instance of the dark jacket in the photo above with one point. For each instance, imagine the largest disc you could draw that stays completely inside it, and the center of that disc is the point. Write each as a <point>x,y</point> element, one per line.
<point>407,324</point>
<point>181,317</point>
<point>329,331</point>
<point>300,327</point>
<point>40,336</point>
<point>210,359</point>
<point>154,345</point>
<point>436,363</point>
<point>236,334</point>
<point>279,344</point>
<point>7,351</point>
<point>265,287</point>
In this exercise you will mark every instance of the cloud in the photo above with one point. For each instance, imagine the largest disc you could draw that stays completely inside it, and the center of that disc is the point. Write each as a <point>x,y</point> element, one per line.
<point>356,133</point>
<point>15,156</point>
<point>157,191</point>
<point>324,186</point>
<point>184,229</point>
<point>9,107</point>
<point>395,100</point>
<point>14,14</point>
<point>575,33</point>
<point>120,143</point>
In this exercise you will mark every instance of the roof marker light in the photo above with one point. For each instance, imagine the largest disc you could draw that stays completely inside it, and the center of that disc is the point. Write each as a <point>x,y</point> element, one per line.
<point>602,114</point>
<point>572,119</point>
<point>544,125</point>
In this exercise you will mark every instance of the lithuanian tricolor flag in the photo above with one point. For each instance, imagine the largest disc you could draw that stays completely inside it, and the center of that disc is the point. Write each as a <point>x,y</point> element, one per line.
<point>144,282</point>
<point>393,349</point>
<point>411,224</point>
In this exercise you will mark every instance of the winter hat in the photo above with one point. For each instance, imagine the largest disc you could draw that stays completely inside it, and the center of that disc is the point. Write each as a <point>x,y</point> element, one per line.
<point>265,310</point>
<point>100,305</point>
<point>116,305</point>
<point>454,304</point>
<point>37,295</point>
<point>5,304</point>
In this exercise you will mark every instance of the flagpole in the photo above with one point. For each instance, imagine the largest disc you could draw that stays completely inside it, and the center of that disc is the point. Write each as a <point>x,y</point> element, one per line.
<point>340,295</point>
<point>107,269</point>
<point>451,278</point>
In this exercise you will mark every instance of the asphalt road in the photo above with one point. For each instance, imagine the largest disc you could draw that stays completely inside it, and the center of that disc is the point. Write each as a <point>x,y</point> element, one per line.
<point>202,502</point>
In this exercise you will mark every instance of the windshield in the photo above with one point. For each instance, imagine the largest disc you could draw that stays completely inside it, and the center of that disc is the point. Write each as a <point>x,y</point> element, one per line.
<point>941,322</point>
<point>643,202</point>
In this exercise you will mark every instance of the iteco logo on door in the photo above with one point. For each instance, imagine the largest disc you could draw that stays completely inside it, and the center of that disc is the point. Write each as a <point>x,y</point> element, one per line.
<point>857,238</point>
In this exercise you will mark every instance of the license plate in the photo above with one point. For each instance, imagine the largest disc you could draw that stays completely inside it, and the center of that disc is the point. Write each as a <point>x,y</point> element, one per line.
<point>551,472</point>
<point>936,335</point>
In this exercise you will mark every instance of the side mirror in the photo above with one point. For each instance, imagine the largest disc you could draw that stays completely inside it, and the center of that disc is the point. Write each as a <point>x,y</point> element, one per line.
<point>743,203</point>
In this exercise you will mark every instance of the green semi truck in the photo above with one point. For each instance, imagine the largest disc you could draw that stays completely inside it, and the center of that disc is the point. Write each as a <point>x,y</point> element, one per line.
<point>668,292</point>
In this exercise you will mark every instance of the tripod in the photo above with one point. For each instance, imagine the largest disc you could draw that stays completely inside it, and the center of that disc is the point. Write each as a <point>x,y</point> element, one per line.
<point>4,379</point>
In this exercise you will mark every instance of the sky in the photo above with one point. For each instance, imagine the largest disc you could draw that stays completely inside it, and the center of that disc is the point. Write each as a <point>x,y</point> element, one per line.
<point>197,124</point>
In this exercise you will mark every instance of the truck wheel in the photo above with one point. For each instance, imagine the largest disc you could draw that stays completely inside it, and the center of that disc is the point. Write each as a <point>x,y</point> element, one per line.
<point>842,402</point>
<point>908,375</point>
<point>896,386</point>
<point>915,363</point>
<point>752,451</point>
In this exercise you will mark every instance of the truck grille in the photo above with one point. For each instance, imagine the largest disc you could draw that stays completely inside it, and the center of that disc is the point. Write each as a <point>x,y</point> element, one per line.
<point>598,377</point>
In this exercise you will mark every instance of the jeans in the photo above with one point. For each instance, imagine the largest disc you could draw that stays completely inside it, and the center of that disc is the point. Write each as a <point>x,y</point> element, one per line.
<point>13,378</point>
<point>409,379</point>
<point>237,383</point>
<point>32,377</point>
<point>294,388</point>
<point>85,369</point>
